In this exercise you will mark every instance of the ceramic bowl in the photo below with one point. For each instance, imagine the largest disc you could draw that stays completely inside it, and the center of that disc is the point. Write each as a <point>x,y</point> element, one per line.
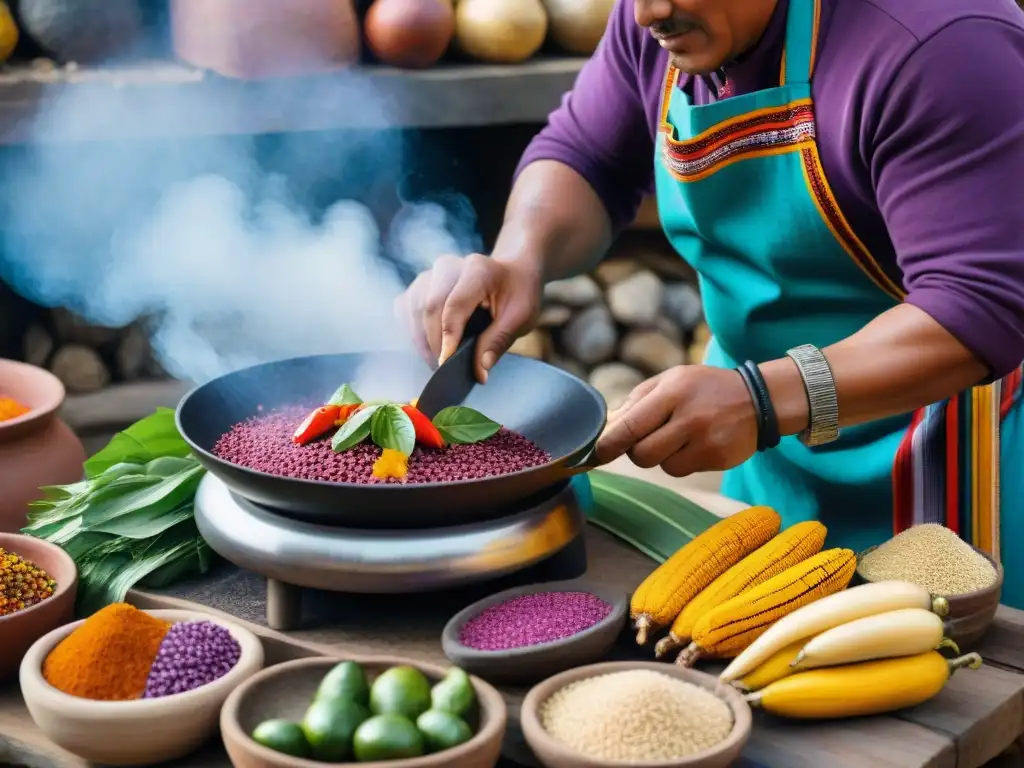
<point>19,630</point>
<point>33,387</point>
<point>286,690</point>
<point>37,448</point>
<point>535,662</point>
<point>971,614</point>
<point>554,754</point>
<point>133,732</point>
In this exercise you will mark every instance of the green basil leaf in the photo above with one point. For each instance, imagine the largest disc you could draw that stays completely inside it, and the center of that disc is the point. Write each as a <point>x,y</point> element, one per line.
<point>392,428</point>
<point>355,430</point>
<point>459,424</point>
<point>150,438</point>
<point>345,396</point>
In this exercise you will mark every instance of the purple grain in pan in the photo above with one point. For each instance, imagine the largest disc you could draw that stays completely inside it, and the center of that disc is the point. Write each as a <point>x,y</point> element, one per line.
<point>264,443</point>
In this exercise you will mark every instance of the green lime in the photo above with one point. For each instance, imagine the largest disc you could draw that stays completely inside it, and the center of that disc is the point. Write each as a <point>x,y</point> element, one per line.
<point>387,737</point>
<point>453,694</point>
<point>282,736</point>
<point>400,691</point>
<point>345,681</point>
<point>329,725</point>
<point>442,730</point>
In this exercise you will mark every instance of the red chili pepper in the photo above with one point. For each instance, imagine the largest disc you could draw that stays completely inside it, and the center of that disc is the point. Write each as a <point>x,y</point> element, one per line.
<point>345,412</point>
<point>426,432</point>
<point>316,424</point>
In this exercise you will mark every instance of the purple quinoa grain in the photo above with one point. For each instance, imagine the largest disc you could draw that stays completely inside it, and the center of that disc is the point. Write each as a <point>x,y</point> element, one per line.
<point>264,443</point>
<point>533,619</point>
<point>191,655</point>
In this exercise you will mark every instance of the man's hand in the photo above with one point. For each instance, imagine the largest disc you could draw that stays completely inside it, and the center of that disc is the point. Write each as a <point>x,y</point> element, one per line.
<point>439,302</point>
<point>691,418</point>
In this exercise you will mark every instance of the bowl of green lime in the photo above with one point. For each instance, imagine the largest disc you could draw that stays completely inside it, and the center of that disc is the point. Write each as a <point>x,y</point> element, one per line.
<point>375,711</point>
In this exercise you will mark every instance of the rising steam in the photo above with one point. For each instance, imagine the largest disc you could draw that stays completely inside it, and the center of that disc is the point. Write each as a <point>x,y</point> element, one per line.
<point>228,266</point>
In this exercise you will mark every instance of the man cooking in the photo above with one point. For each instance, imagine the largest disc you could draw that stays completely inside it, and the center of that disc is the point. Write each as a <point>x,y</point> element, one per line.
<point>845,177</point>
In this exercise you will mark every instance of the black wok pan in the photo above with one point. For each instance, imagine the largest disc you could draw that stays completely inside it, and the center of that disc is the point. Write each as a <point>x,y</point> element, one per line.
<point>560,413</point>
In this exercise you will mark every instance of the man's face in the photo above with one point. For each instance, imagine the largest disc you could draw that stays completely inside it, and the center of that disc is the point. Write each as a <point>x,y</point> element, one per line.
<point>703,35</point>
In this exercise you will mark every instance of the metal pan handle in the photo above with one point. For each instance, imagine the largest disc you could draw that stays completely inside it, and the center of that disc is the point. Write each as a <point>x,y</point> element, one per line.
<point>585,464</point>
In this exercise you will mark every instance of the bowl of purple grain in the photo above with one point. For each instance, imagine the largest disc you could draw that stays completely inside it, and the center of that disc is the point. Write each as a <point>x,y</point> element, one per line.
<point>528,633</point>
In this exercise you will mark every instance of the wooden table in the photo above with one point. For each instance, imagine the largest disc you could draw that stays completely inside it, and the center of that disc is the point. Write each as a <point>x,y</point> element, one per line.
<point>977,717</point>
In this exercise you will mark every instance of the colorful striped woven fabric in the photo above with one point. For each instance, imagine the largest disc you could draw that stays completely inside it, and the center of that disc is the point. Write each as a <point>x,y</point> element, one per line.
<point>947,467</point>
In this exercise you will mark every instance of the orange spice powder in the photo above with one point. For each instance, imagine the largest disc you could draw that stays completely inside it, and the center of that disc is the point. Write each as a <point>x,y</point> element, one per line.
<point>108,657</point>
<point>11,408</point>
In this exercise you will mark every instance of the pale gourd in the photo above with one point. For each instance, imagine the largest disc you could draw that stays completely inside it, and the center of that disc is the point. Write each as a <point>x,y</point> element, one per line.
<point>577,25</point>
<point>500,31</point>
<point>8,32</point>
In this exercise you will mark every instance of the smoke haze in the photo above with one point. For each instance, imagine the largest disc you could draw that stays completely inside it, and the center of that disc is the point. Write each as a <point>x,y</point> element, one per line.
<point>228,263</point>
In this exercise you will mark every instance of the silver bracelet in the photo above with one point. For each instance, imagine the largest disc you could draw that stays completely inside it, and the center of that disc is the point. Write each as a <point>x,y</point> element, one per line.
<point>821,395</point>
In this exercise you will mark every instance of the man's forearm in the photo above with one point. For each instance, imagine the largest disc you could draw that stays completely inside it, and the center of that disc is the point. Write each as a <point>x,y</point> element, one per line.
<point>900,361</point>
<point>554,222</point>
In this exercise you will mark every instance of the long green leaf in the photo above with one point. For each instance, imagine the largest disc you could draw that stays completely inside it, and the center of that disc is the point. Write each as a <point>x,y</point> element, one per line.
<point>40,517</point>
<point>144,523</point>
<point>108,578</point>
<point>197,562</point>
<point>650,518</point>
<point>151,438</point>
<point>167,494</point>
<point>85,546</point>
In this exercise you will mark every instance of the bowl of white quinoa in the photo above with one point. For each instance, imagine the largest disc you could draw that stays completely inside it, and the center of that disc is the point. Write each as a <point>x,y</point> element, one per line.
<point>935,558</point>
<point>643,714</point>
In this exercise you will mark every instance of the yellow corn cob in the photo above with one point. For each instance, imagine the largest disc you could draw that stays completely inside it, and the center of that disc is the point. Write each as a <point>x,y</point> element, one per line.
<point>906,632</point>
<point>790,547</point>
<point>778,666</point>
<point>855,690</point>
<point>732,626</point>
<point>658,600</point>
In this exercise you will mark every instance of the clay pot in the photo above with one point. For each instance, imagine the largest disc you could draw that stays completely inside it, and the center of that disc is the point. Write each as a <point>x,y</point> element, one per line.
<point>270,38</point>
<point>21,629</point>
<point>36,449</point>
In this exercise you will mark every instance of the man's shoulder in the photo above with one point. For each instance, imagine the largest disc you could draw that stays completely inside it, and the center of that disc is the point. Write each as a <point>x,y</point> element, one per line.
<point>916,21</point>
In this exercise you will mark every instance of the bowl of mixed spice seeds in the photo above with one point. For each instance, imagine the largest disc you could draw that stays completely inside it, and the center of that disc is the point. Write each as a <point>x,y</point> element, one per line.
<point>38,581</point>
<point>133,687</point>
<point>527,633</point>
<point>936,558</point>
<point>638,713</point>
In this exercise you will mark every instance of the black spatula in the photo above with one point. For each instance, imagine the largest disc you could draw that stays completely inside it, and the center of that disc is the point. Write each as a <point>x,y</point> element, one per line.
<point>452,382</point>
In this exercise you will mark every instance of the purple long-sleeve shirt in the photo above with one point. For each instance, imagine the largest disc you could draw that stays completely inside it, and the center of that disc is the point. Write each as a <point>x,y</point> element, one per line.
<point>920,113</point>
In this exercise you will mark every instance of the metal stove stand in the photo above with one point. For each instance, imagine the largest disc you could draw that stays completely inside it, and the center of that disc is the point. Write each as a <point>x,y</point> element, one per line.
<point>294,555</point>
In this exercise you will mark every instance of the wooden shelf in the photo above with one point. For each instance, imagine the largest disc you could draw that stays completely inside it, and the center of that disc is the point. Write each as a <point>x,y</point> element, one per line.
<point>166,100</point>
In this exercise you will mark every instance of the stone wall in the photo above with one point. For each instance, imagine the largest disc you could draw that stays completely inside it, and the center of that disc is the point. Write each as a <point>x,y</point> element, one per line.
<point>635,316</point>
<point>86,357</point>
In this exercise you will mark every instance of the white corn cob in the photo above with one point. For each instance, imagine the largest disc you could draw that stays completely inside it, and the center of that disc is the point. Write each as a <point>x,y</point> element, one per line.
<point>831,611</point>
<point>905,632</point>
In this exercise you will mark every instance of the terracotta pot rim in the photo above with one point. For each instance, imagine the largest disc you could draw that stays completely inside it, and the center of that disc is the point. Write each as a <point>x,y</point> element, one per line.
<point>52,393</point>
<point>63,585</point>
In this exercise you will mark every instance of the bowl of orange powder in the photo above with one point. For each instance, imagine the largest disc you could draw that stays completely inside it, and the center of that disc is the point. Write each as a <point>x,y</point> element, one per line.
<point>36,447</point>
<point>134,687</point>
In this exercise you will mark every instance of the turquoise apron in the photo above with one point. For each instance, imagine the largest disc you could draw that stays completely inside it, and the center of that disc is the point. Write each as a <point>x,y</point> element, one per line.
<point>743,198</point>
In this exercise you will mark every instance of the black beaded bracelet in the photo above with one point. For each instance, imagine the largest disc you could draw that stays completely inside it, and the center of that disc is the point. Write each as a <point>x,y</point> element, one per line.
<point>752,390</point>
<point>768,422</point>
